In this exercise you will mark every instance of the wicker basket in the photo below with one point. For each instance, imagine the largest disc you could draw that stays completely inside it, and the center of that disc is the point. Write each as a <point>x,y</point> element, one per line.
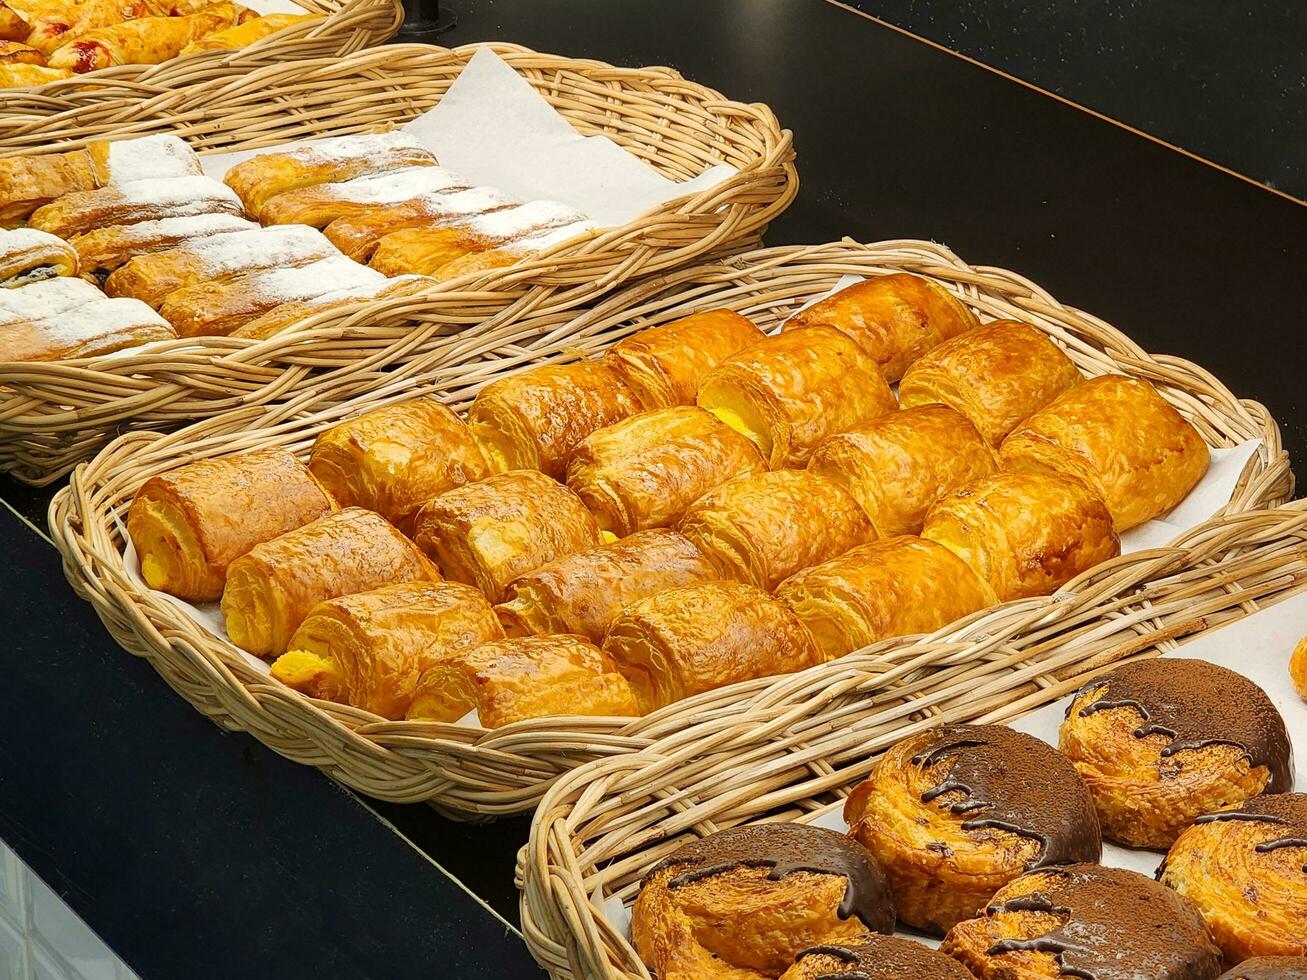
<point>800,745</point>
<point>483,773</point>
<point>54,414</point>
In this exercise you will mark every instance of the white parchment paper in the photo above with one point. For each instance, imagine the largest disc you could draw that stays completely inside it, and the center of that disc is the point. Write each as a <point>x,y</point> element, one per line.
<point>275,7</point>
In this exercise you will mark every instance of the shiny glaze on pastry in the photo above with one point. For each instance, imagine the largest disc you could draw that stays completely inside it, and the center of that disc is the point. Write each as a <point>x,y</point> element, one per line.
<point>955,813</point>
<point>873,957</point>
<point>143,40</point>
<point>997,375</point>
<point>1298,668</point>
<point>1160,742</point>
<point>790,391</point>
<point>29,76</point>
<point>897,466</point>
<point>27,183</point>
<point>1119,436</point>
<point>1269,968</point>
<point>1085,921</point>
<point>248,32</point>
<point>189,524</point>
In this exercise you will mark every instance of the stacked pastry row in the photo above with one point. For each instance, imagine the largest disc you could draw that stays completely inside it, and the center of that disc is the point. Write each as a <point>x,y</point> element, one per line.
<point>703,505</point>
<point>45,40</point>
<point>991,838</point>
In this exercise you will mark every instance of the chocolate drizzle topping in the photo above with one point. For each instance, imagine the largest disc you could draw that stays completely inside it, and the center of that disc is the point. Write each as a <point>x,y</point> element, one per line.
<point>1196,704</point>
<point>887,958</point>
<point>1284,809</point>
<point>786,848</point>
<point>1269,968</point>
<point>1014,782</point>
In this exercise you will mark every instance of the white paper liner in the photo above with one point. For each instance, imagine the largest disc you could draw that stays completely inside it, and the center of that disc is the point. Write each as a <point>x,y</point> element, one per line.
<point>275,7</point>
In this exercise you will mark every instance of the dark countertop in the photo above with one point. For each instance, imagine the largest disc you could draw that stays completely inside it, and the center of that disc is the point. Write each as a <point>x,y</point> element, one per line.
<point>190,849</point>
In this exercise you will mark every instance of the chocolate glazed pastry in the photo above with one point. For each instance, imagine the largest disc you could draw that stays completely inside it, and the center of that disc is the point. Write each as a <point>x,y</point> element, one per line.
<point>1085,921</point>
<point>1160,742</point>
<point>1269,968</point>
<point>1246,870</point>
<point>741,903</point>
<point>957,812</point>
<point>873,957</point>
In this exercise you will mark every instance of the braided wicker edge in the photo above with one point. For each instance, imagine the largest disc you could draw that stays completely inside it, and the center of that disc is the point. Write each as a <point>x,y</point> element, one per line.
<point>796,749</point>
<point>486,773</point>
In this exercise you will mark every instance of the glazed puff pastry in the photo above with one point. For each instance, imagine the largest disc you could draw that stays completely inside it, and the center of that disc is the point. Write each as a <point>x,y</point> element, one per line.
<point>248,32</point>
<point>533,420</point>
<point>789,392</point>
<point>901,586</point>
<point>1119,436</point>
<point>357,236</point>
<point>1026,534</point>
<point>141,41</point>
<point>102,250</point>
<point>898,465</point>
<point>21,75</point>
<point>997,375</point>
<point>645,471</point>
<point>28,255</point>
<point>139,200</point>
<point>583,593</point>
<point>894,318</point>
<point>370,648</point>
<point>276,584</point>
<point>189,524</point>
<point>27,183</point>
<point>665,365</point>
<point>394,459</point>
<point>522,678</point>
<point>684,641</point>
<point>101,326</point>
<point>764,527</point>
<point>14,53</point>
<point>488,533</point>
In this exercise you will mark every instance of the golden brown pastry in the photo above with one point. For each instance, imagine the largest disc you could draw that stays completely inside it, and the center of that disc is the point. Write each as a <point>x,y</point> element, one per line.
<point>873,957</point>
<point>44,299</point>
<point>895,318</point>
<point>791,391</point>
<point>59,23</point>
<point>189,524</point>
<point>13,26</point>
<point>897,587</point>
<point>1085,921</point>
<point>1298,668</point>
<point>1026,534</point>
<point>248,32</point>
<point>26,183</point>
<point>764,527</point>
<point>370,648</point>
<point>28,255</point>
<point>274,586</point>
<point>14,53</point>
<point>741,903</point>
<point>139,200</point>
<point>357,236</point>
<point>533,420</point>
<point>101,326</point>
<point>394,459</point>
<point>1119,436</point>
<point>102,250</point>
<point>897,466</point>
<point>286,315</point>
<point>955,813</point>
<point>1269,968</point>
<point>645,471</point>
<point>997,375</point>
<point>665,365</point>
<point>500,257</point>
<point>523,678</point>
<point>696,638</point>
<point>1160,742</point>
<point>320,204</point>
<point>488,533</point>
<point>141,41</point>
<point>30,76</point>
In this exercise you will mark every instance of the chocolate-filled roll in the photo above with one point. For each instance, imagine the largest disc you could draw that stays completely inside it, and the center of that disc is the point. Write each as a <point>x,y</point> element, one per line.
<point>955,813</point>
<point>1085,921</point>
<point>1269,968</point>
<point>1160,742</point>
<point>1246,870</point>
<point>874,957</point>
<point>741,903</point>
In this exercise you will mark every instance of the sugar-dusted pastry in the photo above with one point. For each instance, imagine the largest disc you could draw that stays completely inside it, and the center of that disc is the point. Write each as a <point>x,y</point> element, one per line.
<point>276,584</point>
<point>287,315</point>
<point>1026,534</point>
<point>126,160</point>
<point>394,459</point>
<point>1085,921</point>
<point>897,587</point>
<point>1121,437</point>
<point>45,298</point>
<point>874,957</point>
<point>897,466</point>
<point>98,327</point>
<point>1298,668</point>
<point>1160,742</point>
<point>488,533</point>
<point>523,678</point>
<point>791,391</point>
<point>28,255</point>
<point>30,76</point>
<point>139,200</point>
<point>190,523</point>
<point>696,638</point>
<point>997,375</point>
<point>143,40</point>
<point>321,204</point>
<point>646,470</point>
<point>248,32</point>
<point>764,527</point>
<point>357,236</point>
<point>583,593</point>
<point>369,649</point>
<point>895,318</point>
<point>1269,968</point>
<point>533,420</point>
<point>500,257</point>
<point>741,903</point>
<point>15,53</point>
<point>102,250</point>
<point>955,813</point>
<point>665,365</point>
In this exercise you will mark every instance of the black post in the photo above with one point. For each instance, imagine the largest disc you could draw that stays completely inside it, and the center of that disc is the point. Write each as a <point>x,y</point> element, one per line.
<point>425,20</point>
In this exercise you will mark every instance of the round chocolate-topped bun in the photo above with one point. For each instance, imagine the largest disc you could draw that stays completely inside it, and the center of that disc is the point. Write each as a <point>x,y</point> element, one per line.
<point>1159,742</point>
<point>741,903</point>
<point>1269,968</point>
<point>955,813</point>
<point>873,957</point>
<point>1246,871</point>
<point>1085,921</point>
